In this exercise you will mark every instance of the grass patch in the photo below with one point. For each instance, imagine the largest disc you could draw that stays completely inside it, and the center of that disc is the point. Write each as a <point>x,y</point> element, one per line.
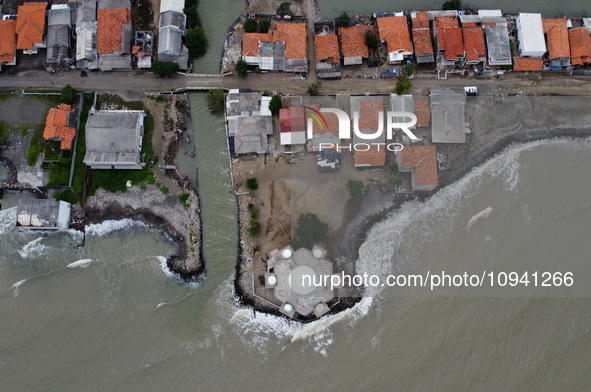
<point>183,197</point>
<point>36,146</point>
<point>164,189</point>
<point>111,101</point>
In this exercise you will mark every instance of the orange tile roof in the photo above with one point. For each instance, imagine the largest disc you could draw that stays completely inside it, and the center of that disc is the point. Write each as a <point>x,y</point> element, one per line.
<point>580,46</point>
<point>109,30</point>
<point>332,121</point>
<point>423,113</point>
<point>252,41</point>
<point>55,126</point>
<point>295,36</point>
<point>394,30</point>
<point>353,40</point>
<point>474,43</point>
<point>375,156</point>
<point>557,36</point>
<point>469,24</point>
<point>7,35</point>
<point>527,64</point>
<point>424,160</point>
<point>449,37</point>
<point>420,21</point>
<point>421,34</point>
<point>327,47</point>
<point>369,114</point>
<point>30,24</point>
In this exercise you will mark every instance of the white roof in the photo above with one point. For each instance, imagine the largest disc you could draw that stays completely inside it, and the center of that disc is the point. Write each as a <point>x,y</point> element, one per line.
<point>265,101</point>
<point>172,5</point>
<point>532,32</point>
<point>490,13</point>
<point>289,138</point>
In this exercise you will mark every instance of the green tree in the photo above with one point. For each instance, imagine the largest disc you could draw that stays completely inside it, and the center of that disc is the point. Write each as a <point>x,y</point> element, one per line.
<point>394,169</point>
<point>264,26</point>
<point>371,41</point>
<point>309,231</point>
<point>403,84</point>
<point>452,5</point>
<point>267,93</point>
<point>314,89</point>
<point>250,26</point>
<point>343,19</point>
<point>215,99</point>
<point>193,19</point>
<point>394,183</point>
<point>252,184</point>
<point>164,69</point>
<point>241,68</point>
<point>67,94</point>
<point>356,188</point>
<point>196,41</point>
<point>275,104</point>
<point>409,70</point>
<point>254,228</point>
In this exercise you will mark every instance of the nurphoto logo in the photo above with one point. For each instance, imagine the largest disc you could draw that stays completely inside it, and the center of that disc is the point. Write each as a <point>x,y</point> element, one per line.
<point>394,121</point>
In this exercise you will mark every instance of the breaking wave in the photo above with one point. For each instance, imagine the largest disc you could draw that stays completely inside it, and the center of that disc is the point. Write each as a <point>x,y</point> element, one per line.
<point>109,226</point>
<point>7,219</point>
<point>33,248</point>
<point>481,215</point>
<point>80,263</point>
<point>16,287</point>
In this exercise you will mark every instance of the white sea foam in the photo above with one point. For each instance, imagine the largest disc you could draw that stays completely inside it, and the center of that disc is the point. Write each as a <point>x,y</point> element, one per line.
<point>16,287</point>
<point>80,263</point>
<point>164,267</point>
<point>109,226</point>
<point>33,248</point>
<point>481,215</point>
<point>7,220</point>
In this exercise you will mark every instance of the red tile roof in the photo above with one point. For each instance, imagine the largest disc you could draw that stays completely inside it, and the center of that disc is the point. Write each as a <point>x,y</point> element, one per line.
<point>252,41</point>
<point>527,64</point>
<point>30,24</point>
<point>353,40</point>
<point>332,121</point>
<point>55,126</point>
<point>424,159</point>
<point>375,156</point>
<point>474,43</point>
<point>394,30</point>
<point>292,119</point>
<point>327,47</point>
<point>7,38</point>
<point>369,114</point>
<point>580,46</point>
<point>421,34</point>
<point>557,36</point>
<point>295,36</point>
<point>449,37</point>
<point>423,113</point>
<point>110,28</point>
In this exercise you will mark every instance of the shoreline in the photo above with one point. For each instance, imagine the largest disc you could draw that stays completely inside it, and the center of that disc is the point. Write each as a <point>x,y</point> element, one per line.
<point>466,164</point>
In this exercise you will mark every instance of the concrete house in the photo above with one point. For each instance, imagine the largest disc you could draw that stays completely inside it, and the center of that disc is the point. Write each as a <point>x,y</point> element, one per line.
<point>421,162</point>
<point>114,35</point>
<point>43,214</point>
<point>497,44</point>
<point>394,31</point>
<point>172,28</point>
<point>474,45</point>
<point>530,35</point>
<point>370,153</point>
<point>7,39</point>
<point>293,129</point>
<point>558,42</point>
<point>421,37</point>
<point>328,55</point>
<point>449,43</point>
<point>353,43</point>
<point>58,36</point>
<point>114,139</point>
<point>30,27</point>
<point>447,116</point>
<point>249,123</point>
<point>84,17</point>
<point>60,125</point>
<point>580,46</point>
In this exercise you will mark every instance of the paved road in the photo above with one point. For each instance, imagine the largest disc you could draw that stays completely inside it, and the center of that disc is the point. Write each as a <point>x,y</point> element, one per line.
<point>134,84</point>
